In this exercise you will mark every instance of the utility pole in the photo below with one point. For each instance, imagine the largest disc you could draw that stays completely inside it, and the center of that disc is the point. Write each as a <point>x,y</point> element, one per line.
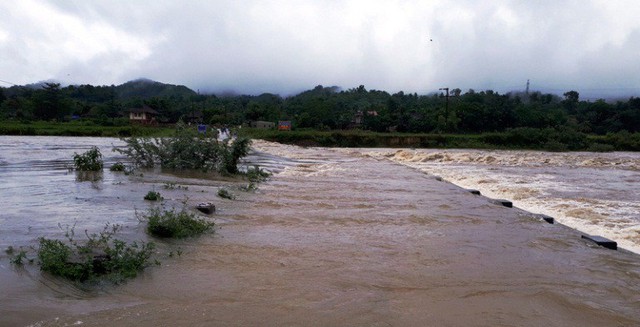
<point>446,117</point>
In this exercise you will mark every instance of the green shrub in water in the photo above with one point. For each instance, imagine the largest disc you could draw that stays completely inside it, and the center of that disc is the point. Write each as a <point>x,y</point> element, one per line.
<point>233,153</point>
<point>188,149</point>
<point>19,258</point>
<point>174,186</point>
<point>249,187</point>
<point>118,166</point>
<point>175,224</point>
<point>153,196</point>
<point>88,161</point>
<point>100,257</point>
<point>257,175</point>
<point>225,194</point>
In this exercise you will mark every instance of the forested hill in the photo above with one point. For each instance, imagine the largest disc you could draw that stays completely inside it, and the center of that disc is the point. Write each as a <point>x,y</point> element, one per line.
<point>140,88</point>
<point>329,108</point>
<point>146,89</point>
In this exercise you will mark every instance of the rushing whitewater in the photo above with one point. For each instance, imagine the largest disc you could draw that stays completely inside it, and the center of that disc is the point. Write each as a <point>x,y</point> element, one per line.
<point>597,193</point>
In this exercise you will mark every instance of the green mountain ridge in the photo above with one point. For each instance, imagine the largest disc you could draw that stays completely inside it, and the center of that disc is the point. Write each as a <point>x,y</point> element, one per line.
<point>141,88</point>
<point>145,88</point>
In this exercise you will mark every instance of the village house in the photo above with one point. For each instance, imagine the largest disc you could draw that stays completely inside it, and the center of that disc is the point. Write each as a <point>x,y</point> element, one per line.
<point>145,115</point>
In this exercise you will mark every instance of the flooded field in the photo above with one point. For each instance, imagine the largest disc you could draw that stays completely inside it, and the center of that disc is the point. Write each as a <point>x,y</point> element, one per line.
<point>336,237</point>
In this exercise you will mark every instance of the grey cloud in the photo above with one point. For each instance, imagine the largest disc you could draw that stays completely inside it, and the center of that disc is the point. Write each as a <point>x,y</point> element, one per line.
<point>287,46</point>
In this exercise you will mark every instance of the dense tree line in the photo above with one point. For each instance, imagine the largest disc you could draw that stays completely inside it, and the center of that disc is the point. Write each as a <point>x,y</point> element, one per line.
<point>327,108</point>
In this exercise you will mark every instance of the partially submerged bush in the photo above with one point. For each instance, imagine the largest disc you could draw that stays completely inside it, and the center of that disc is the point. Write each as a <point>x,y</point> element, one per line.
<point>174,186</point>
<point>257,175</point>
<point>89,176</point>
<point>18,259</point>
<point>88,161</point>
<point>153,196</point>
<point>100,257</point>
<point>249,187</point>
<point>175,224</point>
<point>118,166</point>
<point>188,149</point>
<point>225,194</point>
<point>232,154</point>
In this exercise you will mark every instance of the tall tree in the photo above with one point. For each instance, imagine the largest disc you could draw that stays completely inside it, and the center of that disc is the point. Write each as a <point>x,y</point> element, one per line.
<point>49,102</point>
<point>570,102</point>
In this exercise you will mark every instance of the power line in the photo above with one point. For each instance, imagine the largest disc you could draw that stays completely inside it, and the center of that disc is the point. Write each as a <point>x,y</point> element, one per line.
<point>8,82</point>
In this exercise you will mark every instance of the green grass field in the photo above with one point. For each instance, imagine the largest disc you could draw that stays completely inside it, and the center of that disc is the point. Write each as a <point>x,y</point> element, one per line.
<point>79,128</point>
<point>524,138</point>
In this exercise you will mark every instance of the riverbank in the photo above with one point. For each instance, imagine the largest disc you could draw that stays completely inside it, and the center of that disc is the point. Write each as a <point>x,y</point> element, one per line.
<point>521,139</point>
<point>337,237</point>
<point>516,139</point>
<point>80,128</point>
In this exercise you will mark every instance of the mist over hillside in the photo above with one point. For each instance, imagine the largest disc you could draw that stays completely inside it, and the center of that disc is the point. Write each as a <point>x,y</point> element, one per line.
<point>147,88</point>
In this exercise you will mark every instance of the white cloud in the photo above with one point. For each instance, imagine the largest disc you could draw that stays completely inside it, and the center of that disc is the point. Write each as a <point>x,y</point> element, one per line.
<point>44,42</point>
<point>4,36</point>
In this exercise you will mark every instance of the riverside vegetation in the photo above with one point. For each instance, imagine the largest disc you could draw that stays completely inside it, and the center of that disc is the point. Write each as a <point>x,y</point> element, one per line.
<point>118,166</point>
<point>100,257</point>
<point>225,194</point>
<point>518,138</point>
<point>187,149</point>
<point>104,257</point>
<point>88,161</point>
<point>483,119</point>
<point>169,223</point>
<point>153,196</point>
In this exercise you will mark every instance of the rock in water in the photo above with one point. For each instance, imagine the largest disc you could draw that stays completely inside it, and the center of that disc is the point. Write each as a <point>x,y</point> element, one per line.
<point>206,207</point>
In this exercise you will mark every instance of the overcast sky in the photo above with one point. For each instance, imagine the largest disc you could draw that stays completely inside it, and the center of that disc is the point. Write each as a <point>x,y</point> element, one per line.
<point>282,46</point>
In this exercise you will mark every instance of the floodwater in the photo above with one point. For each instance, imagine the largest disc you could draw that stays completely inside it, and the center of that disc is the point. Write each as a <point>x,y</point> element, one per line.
<point>598,193</point>
<point>337,237</point>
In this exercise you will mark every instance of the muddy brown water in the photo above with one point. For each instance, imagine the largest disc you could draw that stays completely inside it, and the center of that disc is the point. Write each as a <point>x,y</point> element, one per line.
<point>336,238</point>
